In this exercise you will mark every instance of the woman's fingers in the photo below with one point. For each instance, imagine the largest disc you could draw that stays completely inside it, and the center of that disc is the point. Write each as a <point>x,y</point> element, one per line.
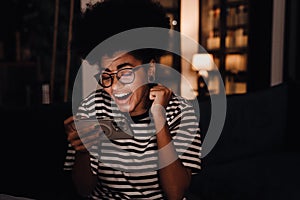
<point>160,94</point>
<point>82,136</point>
<point>69,124</point>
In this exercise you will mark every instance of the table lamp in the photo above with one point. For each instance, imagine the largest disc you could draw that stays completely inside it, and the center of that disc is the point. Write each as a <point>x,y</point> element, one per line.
<point>202,63</point>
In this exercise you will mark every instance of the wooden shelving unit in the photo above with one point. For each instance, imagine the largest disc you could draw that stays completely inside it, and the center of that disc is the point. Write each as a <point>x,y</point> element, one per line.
<point>224,34</point>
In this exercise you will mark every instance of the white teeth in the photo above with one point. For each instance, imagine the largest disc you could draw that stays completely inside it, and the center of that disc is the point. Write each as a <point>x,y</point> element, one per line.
<point>121,95</point>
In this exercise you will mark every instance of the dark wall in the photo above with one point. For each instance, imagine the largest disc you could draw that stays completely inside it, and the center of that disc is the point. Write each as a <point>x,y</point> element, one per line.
<point>292,41</point>
<point>33,20</point>
<point>260,44</point>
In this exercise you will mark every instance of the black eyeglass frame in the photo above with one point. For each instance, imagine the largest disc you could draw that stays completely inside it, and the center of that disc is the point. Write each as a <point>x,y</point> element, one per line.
<point>112,75</point>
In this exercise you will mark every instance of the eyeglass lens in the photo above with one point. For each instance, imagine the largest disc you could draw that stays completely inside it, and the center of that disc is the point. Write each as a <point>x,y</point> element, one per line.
<point>125,76</point>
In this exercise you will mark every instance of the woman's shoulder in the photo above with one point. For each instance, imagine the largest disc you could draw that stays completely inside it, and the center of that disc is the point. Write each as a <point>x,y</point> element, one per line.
<point>180,101</point>
<point>94,98</point>
<point>96,94</point>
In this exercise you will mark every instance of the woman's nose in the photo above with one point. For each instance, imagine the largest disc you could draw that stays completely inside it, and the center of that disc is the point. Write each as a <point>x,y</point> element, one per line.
<point>115,82</point>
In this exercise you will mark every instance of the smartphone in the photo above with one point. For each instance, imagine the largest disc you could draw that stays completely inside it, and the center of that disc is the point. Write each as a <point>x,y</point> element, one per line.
<point>113,129</point>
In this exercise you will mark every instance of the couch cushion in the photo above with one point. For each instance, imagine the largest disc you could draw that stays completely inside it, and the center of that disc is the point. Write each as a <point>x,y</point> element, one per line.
<point>272,176</point>
<point>255,124</point>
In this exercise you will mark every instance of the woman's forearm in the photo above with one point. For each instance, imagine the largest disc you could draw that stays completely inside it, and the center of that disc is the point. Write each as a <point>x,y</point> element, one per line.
<point>174,177</point>
<point>82,175</point>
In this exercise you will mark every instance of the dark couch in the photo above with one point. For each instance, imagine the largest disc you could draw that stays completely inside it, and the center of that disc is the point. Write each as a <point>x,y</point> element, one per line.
<point>256,157</point>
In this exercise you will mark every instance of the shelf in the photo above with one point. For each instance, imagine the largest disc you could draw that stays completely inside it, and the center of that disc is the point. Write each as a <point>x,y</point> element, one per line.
<point>235,27</point>
<point>236,3</point>
<point>240,76</point>
<point>230,3</point>
<point>225,31</point>
<point>236,50</point>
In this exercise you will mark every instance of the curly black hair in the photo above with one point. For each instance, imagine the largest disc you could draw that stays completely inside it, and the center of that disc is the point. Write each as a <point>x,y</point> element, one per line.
<point>109,17</point>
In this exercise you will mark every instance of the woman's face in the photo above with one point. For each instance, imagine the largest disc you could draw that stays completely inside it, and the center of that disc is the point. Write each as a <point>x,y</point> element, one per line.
<point>132,97</point>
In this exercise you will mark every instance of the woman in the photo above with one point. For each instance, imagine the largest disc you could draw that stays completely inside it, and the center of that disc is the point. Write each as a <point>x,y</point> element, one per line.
<point>161,153</point>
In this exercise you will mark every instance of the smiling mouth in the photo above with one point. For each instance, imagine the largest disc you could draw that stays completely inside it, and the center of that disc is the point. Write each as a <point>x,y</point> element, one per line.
<point>122,96</point>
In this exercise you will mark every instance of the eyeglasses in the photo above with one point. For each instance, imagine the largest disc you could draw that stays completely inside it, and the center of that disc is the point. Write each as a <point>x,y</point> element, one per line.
<point>124,75</point>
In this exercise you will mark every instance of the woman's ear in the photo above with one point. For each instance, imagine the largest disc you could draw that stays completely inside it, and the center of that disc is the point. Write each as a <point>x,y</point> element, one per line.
<point>151,71</point>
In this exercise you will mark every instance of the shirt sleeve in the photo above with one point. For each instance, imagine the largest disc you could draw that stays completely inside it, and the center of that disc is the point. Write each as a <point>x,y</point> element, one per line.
<point>83,112</point>
<point>70,159</point>
<point>185,131</point>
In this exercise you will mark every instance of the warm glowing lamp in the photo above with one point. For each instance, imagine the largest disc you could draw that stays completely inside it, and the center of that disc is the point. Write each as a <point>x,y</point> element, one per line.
<point>202,63</point>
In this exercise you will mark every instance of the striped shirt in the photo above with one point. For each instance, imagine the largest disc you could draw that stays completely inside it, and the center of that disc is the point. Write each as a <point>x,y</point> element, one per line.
<point>128,168</point>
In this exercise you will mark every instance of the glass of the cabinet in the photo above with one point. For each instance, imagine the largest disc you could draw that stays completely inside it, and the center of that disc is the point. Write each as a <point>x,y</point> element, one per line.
<point>224,34</point>
<point>236,67</point>
<point>210,24</point>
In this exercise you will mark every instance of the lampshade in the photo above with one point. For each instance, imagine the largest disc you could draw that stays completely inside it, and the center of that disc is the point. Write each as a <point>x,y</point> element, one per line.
<point>202,61</point>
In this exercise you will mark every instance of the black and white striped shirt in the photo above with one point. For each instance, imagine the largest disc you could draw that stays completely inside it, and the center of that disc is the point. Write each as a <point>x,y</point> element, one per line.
<point>128,168</point>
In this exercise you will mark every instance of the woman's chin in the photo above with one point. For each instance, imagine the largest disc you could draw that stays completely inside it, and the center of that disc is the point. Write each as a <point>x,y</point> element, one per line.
<point>123,105</point>
<point>124,108</point>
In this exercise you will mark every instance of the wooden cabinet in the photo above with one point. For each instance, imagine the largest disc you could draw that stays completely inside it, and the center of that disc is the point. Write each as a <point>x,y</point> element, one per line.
<point>237,33</point>
<point>224,34</point>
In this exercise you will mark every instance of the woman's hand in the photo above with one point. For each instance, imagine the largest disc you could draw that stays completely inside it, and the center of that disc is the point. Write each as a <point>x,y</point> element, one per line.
<point>82,138</point>
<point>170,164</point>
<point>161,96</point>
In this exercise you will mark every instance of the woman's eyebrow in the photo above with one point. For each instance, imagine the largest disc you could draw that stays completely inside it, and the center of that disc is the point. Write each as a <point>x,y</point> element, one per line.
<point>119,67</point>
<point>124,65</point>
